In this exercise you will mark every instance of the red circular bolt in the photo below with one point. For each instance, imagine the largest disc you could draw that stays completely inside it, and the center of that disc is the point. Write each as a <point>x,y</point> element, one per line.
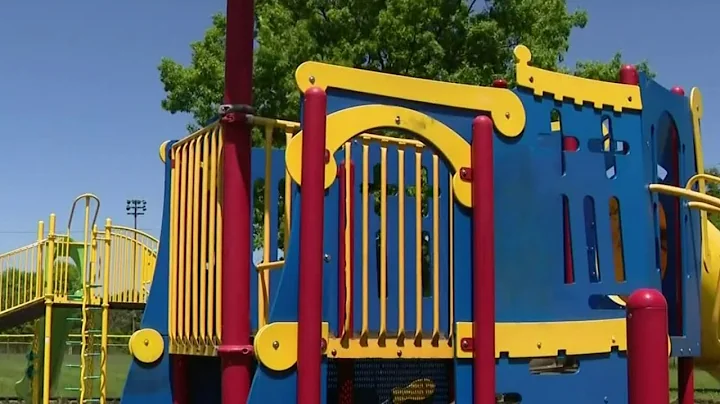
<point>466,344</point>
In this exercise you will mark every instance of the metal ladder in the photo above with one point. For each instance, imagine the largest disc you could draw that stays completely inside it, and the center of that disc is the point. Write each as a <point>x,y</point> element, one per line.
<point>90,348</point>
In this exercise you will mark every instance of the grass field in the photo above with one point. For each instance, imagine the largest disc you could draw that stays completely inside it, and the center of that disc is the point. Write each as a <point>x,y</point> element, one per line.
<point>12,368</point>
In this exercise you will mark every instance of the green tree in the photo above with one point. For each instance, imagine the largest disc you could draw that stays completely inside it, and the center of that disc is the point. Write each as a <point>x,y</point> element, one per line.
<point>453,41</point>
<point>713,189</point>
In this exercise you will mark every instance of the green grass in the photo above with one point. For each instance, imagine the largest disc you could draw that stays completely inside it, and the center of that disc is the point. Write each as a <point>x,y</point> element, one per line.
<point>14,365</point>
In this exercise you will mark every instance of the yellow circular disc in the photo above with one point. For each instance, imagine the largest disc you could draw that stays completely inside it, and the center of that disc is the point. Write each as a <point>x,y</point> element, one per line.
<point>146,345</point>
<point>275,346</point>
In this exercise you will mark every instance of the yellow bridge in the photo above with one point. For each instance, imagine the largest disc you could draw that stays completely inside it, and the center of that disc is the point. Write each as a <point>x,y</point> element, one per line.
<point>70,280</point>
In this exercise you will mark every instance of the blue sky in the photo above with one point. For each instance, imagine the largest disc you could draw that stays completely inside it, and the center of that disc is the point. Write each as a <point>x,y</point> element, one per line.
<point>80,95</point>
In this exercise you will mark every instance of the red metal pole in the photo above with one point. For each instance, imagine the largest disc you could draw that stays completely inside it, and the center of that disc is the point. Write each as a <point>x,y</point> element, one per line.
<point>686,366</point>
<point>312,192</point>
<point>647,348</point>
<point>236,349</point>
<point>483,256</point>
<point>179,379</point>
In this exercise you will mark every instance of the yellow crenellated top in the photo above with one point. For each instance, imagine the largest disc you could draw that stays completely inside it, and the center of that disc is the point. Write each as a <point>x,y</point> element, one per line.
<point>580,90</point>
<point>504,106</point>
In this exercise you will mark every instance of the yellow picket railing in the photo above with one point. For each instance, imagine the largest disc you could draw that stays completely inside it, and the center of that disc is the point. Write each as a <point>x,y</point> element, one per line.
<point>195,298</point>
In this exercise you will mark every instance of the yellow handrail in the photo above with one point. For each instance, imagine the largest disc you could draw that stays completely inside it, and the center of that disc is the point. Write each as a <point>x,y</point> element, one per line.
<point>698,200</point>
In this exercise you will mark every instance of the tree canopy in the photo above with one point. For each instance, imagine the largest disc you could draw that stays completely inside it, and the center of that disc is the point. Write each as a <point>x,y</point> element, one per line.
<point>459,41</point>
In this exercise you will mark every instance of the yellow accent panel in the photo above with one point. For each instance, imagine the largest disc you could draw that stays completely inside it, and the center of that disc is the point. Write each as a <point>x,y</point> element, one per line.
<point>580,90</point>
<point>504,106</point>
<point>163,149</point>
<point>146,345</point>
<point>348,123</point>
<point>532,340</point>
<point>389,349</point>
<point>275,344</point>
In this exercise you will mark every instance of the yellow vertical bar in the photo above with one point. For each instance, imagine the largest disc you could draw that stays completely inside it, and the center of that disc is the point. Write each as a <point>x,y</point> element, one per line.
<point>418,245</point>
<point>218,267</point>
<point>26,270</point>
<point>288,201</point>
<point>189,213</point>
<point>451,257</point>
<point>346,239</point>
<point>401,243</point>
<point>183,163</point>
<point>195,266</point>
<point>173,262</point>
<point>365,208</point>
<point>86,250</point>
<point>436,246</point>
<point>48,311</point>
<point>39,259</point>
<point>105,327</point>
<point>212,242</point>
<point>203,237</point>
<point>383,241</point>
<point>264,276</point>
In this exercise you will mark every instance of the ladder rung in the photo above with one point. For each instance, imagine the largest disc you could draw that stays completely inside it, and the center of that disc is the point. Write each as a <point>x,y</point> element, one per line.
<point>92,377</point>
<point>72,388</point>
<point>72,366</point>
<point>92,354</point>
<point>71,343</point>
<point>91,400</point>
<point>74,319</point>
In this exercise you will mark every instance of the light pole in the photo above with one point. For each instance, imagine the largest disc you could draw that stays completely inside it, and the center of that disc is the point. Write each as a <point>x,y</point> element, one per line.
<point>135,208</point>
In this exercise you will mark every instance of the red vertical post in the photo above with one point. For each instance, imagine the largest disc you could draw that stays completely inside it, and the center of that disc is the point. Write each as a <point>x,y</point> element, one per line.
<point>312,191</point>
<point>686,365</point>
<point>647,348</point>
<point>483,259</point>
<point>236,350</point>
<point>179,379</point>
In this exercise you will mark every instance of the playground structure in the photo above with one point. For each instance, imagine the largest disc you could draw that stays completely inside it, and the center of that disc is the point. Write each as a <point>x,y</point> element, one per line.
<point>62,283</point>
<point>440,243</point>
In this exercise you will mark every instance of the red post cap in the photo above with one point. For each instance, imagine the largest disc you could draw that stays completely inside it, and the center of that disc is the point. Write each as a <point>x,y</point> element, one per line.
<point>646,299</point>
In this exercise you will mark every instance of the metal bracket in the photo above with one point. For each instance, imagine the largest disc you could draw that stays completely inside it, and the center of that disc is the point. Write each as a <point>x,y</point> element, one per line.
<point>226,109</point>
<point>230,113</point>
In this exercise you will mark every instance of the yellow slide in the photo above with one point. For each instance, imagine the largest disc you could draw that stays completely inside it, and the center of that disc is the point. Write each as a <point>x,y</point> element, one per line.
<point>710,304</point>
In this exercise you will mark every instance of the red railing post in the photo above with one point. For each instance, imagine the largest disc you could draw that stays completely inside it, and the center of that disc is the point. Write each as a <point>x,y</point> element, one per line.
<point>179,379</point>
<point>312,192</point>
<point>647,348</point>
<point>483,259</point>
<point>235,350</point>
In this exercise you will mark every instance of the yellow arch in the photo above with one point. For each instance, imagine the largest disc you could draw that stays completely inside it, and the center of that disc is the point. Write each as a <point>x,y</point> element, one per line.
<point>345,124</point>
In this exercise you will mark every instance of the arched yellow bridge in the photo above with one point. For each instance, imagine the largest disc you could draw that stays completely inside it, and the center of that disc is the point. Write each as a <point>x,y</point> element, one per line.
<point>74,280</point>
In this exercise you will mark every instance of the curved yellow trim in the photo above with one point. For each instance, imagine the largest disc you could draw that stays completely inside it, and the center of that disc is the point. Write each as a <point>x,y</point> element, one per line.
<point>163,150</point>
<point>345,124</point>
<point>580,90</point>
<point>504,106</point>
